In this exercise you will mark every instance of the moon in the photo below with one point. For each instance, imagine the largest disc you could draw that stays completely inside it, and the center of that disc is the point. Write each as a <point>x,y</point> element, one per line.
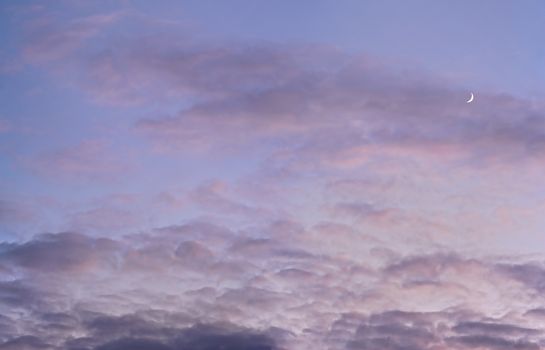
<point>470,99</point>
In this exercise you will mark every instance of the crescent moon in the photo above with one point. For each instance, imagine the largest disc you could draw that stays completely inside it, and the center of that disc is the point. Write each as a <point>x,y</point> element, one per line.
<point>470,99</point>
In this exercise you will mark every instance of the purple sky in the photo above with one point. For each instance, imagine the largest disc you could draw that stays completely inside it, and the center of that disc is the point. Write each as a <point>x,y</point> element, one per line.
<point>272,175</point>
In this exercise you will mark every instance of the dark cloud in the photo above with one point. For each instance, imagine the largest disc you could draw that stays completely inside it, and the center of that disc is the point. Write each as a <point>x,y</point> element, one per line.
<point>257,276</point>
<point>426,268</point>
<point>391,336</point>
<point>193,252</point>
<point>539,312</point>
<point>61,252</point>
<point>134,332</point>
<point>59,321</point>
<point>136,344</point>
<point>131,325</point>
<point>197,338</point>
<point>493,328</point>
<point>531,274</point>
<point>364,211</point>
<point>209,338</point>
<point>146,329</point>
<point>26,342</point>
<point>393,330</point>
<point>492,343</point>
<point>396,330</point>
<point>8,327</point>
<point>19,294</point>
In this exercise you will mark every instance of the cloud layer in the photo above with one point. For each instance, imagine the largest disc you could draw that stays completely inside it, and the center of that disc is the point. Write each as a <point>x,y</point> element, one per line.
<point>212,285</point>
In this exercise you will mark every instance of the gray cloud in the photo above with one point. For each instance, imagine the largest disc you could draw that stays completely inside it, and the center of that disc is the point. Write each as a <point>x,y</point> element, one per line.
<point>531,274</point>
<point>58,252</point>
<point>24,343</point>
<point>493,343</point>
<point>493,328</point>
<point>395,330</point>
<point>18,294</point>
<point>216,275</point>
<point>158,330</point>
<point>198,338</point>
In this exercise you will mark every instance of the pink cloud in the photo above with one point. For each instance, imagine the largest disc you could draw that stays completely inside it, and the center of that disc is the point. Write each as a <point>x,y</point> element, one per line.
<point>89,160</point>
<point>50,39</point>
<point>5,126</point>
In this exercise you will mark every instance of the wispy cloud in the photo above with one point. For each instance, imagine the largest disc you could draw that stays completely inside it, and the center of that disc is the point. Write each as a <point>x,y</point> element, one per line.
<point>89,160</point>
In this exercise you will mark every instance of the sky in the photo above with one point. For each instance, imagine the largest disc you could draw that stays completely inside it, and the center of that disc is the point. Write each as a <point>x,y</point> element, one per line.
<point>272,175</point>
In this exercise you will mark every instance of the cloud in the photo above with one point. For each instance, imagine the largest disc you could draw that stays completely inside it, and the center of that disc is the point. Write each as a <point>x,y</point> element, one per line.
<point>492,343</point>
<point>89,160</point>
<point>25,342</point>
<point>5,125</point>
<point>395,330</point>
<point>366,211</point>
<point>530,274</point>
<point>137,344</point>
<point>58,253</point>
<point>17,294</point>
<point>11,211</point>
<point>344,115</point>
<point>205,276</point>
<point>199,337</point>
<point>539,312</point>
<point>215,197</point>
<point>182,68</point>
<point>252,282</point>
<point>51,39</point>
<point>316,103</point>
<point>493,328</point>
<point>146,330</point>
<point>105,218</point>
